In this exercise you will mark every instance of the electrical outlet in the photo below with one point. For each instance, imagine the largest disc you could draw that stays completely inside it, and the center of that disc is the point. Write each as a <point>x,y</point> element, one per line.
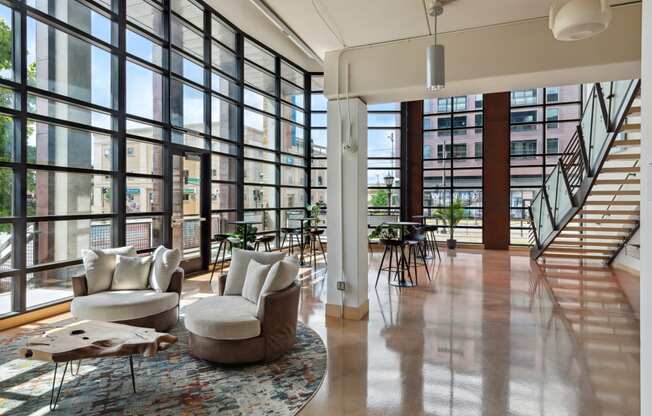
<point>341,286</point>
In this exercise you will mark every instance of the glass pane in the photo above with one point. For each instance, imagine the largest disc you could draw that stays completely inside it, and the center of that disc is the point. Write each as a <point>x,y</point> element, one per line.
<point>384,143</point>
<point>256,172</point>
<point>186,38</point>
<point>144,158</point>
<point>259,101</point>
<point>220,223</point>
<point>318,138</point>
<point>223,33</point>
<point>144,232</point>
<point>69,112</point>
<point>7,138</point>
<point>293,198</point>
<point>225,86</point>
<point>318,102</point>
<point>144,194</point>
<point>384,120</point>
<point>318,177</point>
<point>186,106</point>
<point>6,249</point>
<point>252,153</point>
<point>224,147</point>
<point>6,193</point>
<point>292,140</point>
<point>223,168</point>
<point>260,130</point>
<point>293,176</point>
<point>223,196</point>
<point>224,117</point>
<point>292,114</point>
<point>292,74</point>
<point>189,139</point>
<point>8,97</point>
<point>146,16</point>
<point>49,144</point>
<point>78,15</point>
<point>259,197</point>
<point>190,11</point>
<point>76,193</point>
<point>7,60</point>
<point>69,66</point>
<point>293,160</point>
<point>259,79</point>
<point>224,60</point>
<point>187,68</point>
<point>266,219</point>
<point>258,55</point>
<point>144,92</point>
<point>144,48</point>
<point>53,241</point>
<point>49,286</point>
<point>292,94</point>
<point>138,128</point>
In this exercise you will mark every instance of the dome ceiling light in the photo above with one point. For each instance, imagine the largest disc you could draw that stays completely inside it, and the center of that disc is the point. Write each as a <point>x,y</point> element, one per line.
<point>578,19</point>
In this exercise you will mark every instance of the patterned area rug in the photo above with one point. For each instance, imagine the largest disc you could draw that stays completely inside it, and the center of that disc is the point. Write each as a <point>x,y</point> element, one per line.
<point>171,383</point>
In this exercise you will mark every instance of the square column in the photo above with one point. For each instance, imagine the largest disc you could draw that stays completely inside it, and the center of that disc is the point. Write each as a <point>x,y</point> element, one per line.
<point>347,210</point>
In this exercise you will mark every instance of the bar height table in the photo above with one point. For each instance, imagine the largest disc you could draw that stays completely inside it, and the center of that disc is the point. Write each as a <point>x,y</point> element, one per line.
<point>403,225</point>
<point>302,221</point>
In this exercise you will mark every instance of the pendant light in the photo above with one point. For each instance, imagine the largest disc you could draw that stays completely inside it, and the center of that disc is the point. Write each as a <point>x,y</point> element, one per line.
<point>435,68</point>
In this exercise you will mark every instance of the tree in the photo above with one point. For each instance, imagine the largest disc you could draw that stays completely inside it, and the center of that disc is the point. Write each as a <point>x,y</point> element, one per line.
<point>379,198</point>
<point>6,128</point>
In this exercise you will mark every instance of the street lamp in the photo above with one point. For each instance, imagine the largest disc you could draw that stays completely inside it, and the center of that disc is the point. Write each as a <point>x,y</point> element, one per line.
<point>389,182</point>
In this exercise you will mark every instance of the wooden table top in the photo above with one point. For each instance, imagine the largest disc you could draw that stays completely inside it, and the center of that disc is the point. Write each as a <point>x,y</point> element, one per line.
<point>93,339</point>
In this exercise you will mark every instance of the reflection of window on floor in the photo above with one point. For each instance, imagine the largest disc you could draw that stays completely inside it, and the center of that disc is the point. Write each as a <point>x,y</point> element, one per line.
<point>523,148</point>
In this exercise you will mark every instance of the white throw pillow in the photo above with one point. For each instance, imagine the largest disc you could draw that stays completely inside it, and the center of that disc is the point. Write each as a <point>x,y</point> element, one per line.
<point>281,276</point>
<point>99,266</point>
<point>254,280</point>
<point>131,273</point>
<point>166,262</point>
<point>238,268</point>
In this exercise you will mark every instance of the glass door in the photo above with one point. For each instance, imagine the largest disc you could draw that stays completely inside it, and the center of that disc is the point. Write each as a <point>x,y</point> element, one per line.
<point>187,204</point>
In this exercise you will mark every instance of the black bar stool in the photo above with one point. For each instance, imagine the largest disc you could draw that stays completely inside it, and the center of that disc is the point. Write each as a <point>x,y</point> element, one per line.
<point>314,237</point>
<point>417,245</point>
<point>398,263</point>
<point>291,234</point>
<point>222,239</point>
<point>431,236</point>
<point>265,240</point>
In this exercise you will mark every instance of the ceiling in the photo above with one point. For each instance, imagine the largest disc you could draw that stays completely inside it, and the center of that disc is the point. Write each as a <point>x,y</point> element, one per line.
<point>363,22</point>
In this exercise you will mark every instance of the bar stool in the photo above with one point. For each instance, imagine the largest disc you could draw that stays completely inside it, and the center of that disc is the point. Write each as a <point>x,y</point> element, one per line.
<point>431,237</point>
<point>417,246</point>
<point>265,240</point>
<point>222,239</point>
<point>314,236</point>
<point>291,233</point>
<point>397,261</point>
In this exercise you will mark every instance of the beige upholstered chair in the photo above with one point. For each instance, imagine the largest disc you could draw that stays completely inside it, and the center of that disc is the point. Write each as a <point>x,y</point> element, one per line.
<point>230,329</point>
<point>145,308</point>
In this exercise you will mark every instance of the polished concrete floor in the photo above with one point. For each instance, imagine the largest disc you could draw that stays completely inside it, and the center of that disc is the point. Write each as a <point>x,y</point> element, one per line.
<point>492,334</point>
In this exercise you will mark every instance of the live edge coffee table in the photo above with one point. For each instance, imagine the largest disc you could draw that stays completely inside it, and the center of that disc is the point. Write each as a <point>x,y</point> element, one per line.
<point>93,339</point>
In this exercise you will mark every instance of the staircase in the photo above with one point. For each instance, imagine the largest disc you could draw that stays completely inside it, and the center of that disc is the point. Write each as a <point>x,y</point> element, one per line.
<point>589,207</point>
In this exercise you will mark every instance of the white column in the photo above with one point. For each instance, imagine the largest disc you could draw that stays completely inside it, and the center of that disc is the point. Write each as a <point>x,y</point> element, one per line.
<point>646,210</point>
<point>347,209</point>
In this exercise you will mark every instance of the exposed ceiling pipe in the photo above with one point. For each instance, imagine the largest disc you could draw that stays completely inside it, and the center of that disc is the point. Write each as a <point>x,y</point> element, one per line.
<point>271,15</point>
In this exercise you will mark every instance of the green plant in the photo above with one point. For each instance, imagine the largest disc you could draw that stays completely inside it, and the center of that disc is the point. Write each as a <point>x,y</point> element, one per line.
<point>315,210</point>
<point>384,232</point>
<point>380,198</point>
<point>239,234</point>
<point>451,215</point>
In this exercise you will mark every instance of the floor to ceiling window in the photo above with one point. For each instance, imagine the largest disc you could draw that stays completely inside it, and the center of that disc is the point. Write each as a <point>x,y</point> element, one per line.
<point>542,122</point>
<point>318,142</point>
<point>98,99</point>
<point>452,162</point>
<point>383,162</point>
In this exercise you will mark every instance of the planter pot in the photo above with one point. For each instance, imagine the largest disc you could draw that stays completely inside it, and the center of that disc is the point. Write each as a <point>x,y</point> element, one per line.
<point>452,244</point>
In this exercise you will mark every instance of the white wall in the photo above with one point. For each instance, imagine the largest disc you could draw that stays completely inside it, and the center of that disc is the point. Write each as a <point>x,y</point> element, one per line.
<point>646,212</point>
<point>629,257</point>
<point>498,58</point>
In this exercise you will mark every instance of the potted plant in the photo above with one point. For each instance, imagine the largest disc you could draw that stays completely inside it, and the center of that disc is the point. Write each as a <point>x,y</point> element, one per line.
<point>384,232</point>
<point>315,211</point>
<point>451,216</point>
<point>239,235</point>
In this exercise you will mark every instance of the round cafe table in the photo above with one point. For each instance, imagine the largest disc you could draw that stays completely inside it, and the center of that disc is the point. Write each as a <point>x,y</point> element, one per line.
<point>403,225</point>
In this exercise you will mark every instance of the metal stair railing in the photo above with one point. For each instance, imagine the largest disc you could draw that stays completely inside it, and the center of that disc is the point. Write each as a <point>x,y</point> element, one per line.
<point>569,184</point>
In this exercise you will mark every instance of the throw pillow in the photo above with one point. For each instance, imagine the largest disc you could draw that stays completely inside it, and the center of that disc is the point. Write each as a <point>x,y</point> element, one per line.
<point>254,280</point>
<point>131,273</point>
<point>99,266</point>
<point>281,276</point>
<point>238,268</point>
<point>166,262</point>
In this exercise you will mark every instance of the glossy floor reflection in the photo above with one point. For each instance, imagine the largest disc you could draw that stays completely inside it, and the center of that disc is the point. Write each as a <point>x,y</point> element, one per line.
<point>493,334</point>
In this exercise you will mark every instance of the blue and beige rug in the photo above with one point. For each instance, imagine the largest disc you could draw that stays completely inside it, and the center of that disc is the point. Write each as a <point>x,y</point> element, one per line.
<point>171,383</point>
